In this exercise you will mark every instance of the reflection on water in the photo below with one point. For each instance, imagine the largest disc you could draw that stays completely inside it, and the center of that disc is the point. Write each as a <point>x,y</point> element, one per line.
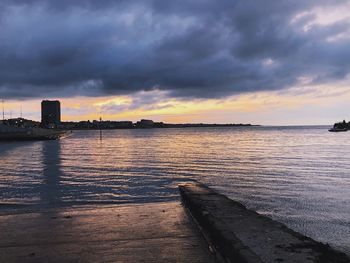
<point>50,192</point>
<point>299,176</point>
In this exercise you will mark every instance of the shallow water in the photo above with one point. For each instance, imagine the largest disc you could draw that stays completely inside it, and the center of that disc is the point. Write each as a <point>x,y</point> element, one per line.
<point>297,175</point>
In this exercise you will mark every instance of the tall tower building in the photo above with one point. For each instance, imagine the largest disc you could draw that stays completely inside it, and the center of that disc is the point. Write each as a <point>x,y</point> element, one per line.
<point>50,113</point>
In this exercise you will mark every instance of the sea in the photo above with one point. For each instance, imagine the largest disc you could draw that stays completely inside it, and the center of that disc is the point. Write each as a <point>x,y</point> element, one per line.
<point>299,176</point>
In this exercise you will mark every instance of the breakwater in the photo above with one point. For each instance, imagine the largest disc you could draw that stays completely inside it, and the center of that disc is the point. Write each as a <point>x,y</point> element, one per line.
<point>242,235</point>
<point>13,133</point>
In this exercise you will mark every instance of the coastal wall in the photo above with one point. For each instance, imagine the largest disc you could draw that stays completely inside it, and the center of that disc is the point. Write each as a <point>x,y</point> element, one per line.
<point>242,235</point>
<point>18,133</point>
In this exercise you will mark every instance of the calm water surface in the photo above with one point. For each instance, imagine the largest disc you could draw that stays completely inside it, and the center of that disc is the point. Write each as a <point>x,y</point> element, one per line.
<point>297,175</point>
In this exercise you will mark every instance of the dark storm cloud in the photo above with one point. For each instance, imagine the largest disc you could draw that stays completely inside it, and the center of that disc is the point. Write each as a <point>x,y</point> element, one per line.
<point>195,48</point>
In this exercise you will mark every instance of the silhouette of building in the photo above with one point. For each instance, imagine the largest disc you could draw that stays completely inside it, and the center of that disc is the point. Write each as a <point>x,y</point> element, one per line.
<point>145,124</point>
<point>50,113</point>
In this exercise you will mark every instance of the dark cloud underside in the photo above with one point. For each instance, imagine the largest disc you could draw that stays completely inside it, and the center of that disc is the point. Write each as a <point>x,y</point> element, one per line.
<point>195,48</point>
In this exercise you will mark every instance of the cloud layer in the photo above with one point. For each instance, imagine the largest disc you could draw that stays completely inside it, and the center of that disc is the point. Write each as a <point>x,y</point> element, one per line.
<point>189,49</point>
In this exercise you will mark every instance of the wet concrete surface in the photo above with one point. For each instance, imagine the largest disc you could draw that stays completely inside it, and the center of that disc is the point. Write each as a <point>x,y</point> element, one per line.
<point>242,235</point>
<point>152,232</point>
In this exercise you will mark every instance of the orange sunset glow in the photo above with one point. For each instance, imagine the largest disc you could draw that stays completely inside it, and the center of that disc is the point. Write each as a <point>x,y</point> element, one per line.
<point>269,108</point>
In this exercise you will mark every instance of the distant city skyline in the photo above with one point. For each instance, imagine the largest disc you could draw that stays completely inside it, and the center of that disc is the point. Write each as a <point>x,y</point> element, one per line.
<point>276,63</point>
<point>256,108</point>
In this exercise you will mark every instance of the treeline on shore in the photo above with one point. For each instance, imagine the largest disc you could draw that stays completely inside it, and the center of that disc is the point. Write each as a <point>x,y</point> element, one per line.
<point>86,125</point>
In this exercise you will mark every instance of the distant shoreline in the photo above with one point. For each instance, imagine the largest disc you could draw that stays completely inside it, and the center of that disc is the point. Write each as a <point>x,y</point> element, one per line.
<point>162,126</point>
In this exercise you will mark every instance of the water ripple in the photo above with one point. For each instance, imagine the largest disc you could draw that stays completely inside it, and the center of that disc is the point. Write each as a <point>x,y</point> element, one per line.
<point>299,176</point>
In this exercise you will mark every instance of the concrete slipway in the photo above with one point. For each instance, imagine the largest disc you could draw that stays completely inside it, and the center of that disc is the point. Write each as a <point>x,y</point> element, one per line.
<point>157,232</point>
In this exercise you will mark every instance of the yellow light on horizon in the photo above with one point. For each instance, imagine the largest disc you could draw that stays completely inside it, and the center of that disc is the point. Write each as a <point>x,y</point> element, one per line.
<point>248,107</point>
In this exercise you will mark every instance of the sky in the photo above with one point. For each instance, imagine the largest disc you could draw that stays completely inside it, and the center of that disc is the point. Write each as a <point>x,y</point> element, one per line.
<point>269,62</point>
